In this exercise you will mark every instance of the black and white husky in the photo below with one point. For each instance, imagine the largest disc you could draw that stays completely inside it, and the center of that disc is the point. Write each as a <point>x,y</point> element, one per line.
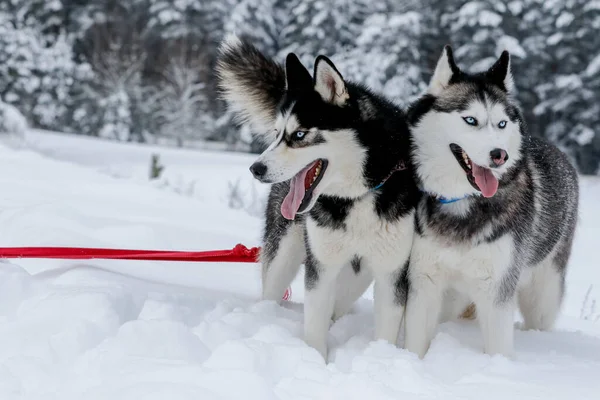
<point>496,224</point>
<point>343,194</point>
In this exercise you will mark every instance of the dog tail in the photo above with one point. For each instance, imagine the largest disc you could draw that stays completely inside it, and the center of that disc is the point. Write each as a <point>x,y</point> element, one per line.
<point>251,83</point>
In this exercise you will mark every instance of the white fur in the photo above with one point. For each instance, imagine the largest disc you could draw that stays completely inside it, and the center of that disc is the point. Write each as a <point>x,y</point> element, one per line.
<point>441,76</point>
<point>540,295</point>
<point>384,248</point>
<point>476,271</point>
<point>279,273</point>
<point>437,167</point>
<point>509,82</point>
<point>350,286</point>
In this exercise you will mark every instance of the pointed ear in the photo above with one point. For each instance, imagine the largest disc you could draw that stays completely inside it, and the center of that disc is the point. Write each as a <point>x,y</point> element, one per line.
<point>329,83</point>
<point>444,70</point>
<point>499,73</point>
<point>297,76</point>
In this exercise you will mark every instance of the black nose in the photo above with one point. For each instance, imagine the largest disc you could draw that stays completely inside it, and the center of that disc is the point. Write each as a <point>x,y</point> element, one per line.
<point>499,156</point>
<point>258,169</point>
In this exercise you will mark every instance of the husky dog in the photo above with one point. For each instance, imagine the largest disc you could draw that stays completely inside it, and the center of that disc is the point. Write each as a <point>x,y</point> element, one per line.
<point>343,195</point>
<point>497,220</point>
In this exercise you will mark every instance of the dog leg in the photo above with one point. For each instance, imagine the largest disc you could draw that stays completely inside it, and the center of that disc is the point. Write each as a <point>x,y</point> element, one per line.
<point>280,269</point>
<point>541,297</point>
<point>497,324</point>
<point>422,312</point>
<point>319,298</point>
<point>389,308</point>
<point>351,284</point>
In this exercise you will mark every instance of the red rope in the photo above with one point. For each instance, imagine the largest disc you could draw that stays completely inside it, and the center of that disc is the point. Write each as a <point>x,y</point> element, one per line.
<point>239,253</point>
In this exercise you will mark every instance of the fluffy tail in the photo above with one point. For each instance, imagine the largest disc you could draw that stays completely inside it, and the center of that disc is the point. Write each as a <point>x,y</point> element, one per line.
<point>251,83</point>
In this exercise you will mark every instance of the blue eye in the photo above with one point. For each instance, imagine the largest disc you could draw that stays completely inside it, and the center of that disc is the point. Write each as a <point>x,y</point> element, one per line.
<point>502,124</point>
<point>298,135</point>
<point>470,120</point>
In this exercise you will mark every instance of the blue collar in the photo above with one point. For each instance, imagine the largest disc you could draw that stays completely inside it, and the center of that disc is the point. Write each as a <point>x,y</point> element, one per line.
<point>444,200</point>
<point>377,187</point>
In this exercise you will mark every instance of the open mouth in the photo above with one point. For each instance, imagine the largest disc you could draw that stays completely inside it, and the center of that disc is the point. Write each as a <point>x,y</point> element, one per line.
<point>479,177</point>
<point>302,187</point>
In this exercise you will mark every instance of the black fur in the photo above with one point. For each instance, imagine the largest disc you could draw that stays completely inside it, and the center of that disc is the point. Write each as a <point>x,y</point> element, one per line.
<point>402,285</point>
<point>275,225</point>
<point>355,264</point>
<point>311,266</point>
<point>331,212</point>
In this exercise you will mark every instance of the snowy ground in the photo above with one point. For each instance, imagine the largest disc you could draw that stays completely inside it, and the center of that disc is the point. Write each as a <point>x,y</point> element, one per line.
<point>125,330</point>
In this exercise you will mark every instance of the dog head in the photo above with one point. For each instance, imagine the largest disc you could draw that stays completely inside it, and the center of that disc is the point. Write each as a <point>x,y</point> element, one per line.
<point>466,129</point>
<point>315,148</point>
<point>320,129</point>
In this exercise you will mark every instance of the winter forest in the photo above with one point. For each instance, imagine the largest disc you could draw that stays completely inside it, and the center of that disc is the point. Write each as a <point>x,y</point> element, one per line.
<point>142,70</point>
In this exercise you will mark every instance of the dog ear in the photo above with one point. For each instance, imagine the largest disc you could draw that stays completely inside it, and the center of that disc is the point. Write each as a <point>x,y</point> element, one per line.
<point>297,76</point>
<point>329,83</point>
<point>499,73</point>
<point>444,71</point>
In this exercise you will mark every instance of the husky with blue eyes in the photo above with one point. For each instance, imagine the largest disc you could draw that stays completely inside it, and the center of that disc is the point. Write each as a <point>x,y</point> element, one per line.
<point>343,194</point>
<point>495,226</point>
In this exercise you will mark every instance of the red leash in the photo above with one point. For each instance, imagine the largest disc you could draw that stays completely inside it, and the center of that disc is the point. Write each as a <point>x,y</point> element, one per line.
<point>239,253</point>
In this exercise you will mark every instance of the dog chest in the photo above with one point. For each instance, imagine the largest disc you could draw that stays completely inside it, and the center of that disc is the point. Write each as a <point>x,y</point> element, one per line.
<point>363,233</point>
<point>459,262</point>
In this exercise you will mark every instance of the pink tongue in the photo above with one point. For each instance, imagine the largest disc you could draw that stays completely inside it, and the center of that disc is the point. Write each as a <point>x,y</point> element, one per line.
<point>294,198</point>
<point>485,180</point>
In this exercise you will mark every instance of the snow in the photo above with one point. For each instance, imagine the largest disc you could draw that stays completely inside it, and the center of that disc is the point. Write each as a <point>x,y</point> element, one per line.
<point>593,67</point>
<point>555,39</point>
<point>473,13</point>
<point>102,329</point>
<point>11,120</point>
<point>568,81</point>
<point>564,20</point>
<point>512,45</point>
<point>515,7</point>
<point>583,135</point>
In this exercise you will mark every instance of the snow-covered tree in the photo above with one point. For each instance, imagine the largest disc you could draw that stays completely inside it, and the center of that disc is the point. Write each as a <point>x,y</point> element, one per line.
<point>256,21</point>
<point>477,32</point>
<point>107,67</point>
<point>180,100</point>
<point>569,101</point>
<point>173,19</point>
<point>106,97</point>
<point>389,39</point>
<point>329,27</point>
<point>36,63</point>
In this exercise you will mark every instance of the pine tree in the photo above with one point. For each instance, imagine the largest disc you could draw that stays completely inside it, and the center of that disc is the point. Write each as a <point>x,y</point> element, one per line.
<point>389,39</point>
<point>570,100</point>
<point>477,32</point>
<point>36,65</point>
<point>181,113</point>
<point>174,19</point>
<point>328,27</point>
<point>256,21</point>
